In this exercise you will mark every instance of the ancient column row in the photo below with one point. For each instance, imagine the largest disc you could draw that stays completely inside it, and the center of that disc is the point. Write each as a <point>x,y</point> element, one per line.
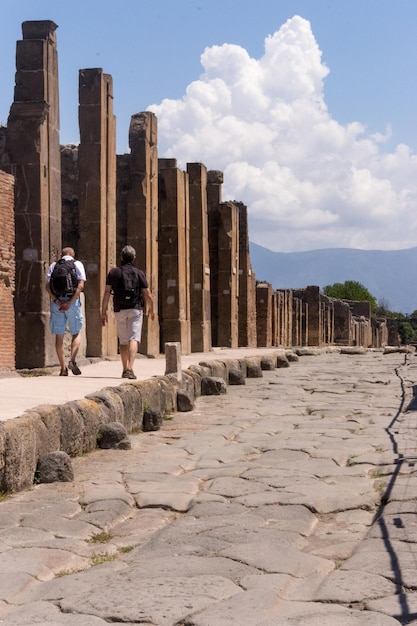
<point>193,246</point>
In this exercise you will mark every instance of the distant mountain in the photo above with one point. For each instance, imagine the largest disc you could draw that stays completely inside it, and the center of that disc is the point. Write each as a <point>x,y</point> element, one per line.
<point>388,275</point>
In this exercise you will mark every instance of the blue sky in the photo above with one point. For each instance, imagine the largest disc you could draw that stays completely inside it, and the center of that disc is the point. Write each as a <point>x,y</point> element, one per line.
<point>332,103</point>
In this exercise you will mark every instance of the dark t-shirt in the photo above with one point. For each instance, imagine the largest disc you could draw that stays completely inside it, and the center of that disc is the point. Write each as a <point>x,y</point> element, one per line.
<point>114,279</point>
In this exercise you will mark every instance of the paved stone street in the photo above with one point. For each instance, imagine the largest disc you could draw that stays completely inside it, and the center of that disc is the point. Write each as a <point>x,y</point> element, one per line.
<point>290,500</point>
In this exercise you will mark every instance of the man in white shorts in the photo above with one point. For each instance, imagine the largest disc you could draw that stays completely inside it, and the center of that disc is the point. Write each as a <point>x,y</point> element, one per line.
<point>66,309</point>
<point>128,306</point>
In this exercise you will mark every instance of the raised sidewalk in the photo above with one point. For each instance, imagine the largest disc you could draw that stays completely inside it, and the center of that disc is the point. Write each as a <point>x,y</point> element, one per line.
<point>42,414</point>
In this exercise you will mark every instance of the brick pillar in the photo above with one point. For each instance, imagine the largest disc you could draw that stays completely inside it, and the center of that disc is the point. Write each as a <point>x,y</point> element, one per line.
<point>214,199</point>
<point>200,309</point>
<point>264,314</point>
<point>97,202</point>
<point>33,145</point>
<point>247,284</point>
<point>228,275</point>
<point>7,273</point>
<point>174,261</point>
<point>142,214</point>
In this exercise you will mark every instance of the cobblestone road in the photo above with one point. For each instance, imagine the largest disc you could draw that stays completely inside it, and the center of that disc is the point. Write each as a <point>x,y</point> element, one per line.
<point>290,500</point>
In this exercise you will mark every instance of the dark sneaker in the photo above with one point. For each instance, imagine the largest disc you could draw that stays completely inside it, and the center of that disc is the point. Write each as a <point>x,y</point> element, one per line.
<point>129,374</point>
<point>74,368</point>
<point>64,372</point>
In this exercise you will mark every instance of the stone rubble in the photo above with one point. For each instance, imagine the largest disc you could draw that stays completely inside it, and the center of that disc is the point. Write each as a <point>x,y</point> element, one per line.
<point>289,501</point>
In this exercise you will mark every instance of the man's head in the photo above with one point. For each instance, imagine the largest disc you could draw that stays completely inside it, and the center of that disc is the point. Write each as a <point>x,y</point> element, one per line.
<point>128,254</point>
<point>68,252</point>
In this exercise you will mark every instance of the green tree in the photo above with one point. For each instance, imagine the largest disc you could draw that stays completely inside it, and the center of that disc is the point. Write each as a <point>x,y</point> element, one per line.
<point>407,332</point>
<point>350,290</point>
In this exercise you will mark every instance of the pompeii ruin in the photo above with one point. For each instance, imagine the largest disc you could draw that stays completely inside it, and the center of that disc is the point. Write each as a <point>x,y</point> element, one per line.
<point>193,245</point>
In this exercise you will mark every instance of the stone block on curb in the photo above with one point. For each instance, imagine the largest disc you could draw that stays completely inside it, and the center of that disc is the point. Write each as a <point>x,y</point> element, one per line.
<point>236,377</point>
<point>282,361</point>
<point>185,401</point>
<point>152,420</point>
<point>54,467</point>
<point>268,363</point>
<point>72,429</point>
<point>110,403</point>
<point>91,416</point>
<point>216,368</point>
<point>113,436</point>
<point>150,392</point>
<point>253,368</point>
<point>20,454</point>
<point>132,406</point>
<point>213,386</point>
<point>168,386</point>
<point>196,379</point>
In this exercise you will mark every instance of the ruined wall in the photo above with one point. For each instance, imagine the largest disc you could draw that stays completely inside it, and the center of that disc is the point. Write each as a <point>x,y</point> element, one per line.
<point>7,273</point>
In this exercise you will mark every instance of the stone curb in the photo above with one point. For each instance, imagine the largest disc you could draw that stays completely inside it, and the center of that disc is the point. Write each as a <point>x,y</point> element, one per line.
<point>73,427</point>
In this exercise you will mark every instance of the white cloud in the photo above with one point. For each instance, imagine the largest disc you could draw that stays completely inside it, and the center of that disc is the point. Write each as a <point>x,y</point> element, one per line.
<point>308,181</point>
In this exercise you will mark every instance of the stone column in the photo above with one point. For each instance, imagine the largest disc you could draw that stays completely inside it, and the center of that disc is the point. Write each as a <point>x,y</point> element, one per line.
<point>33,145</point>
<point>97,202</point>
<point>247,284</point>
<point>264,314</point>
<point>200,308</point>
<point>214,199</point>
<point>228,276</point>
<point>142,214</point>
<point>174,261</point>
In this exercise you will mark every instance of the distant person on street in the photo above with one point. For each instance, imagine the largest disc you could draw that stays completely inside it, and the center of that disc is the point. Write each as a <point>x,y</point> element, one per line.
<point>131,295</point>
<point>64,283</point>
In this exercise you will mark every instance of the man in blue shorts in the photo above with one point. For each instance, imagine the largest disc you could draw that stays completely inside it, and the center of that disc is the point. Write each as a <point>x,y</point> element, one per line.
<point>128,311</point>
<point>66,309</point>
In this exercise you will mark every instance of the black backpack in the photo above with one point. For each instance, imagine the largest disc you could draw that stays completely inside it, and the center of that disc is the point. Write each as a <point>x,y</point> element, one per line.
<point>129,295</point>
<point>64,279</point>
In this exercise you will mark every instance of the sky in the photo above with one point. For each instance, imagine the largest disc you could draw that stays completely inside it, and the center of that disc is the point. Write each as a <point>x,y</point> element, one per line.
<point>307,106</point>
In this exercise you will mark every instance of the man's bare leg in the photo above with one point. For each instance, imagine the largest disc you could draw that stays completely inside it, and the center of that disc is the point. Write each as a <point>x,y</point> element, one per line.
<point>59,347</point>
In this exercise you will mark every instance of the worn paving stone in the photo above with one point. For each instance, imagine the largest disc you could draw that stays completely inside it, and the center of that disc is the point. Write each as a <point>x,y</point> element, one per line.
<point>164,603</point>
